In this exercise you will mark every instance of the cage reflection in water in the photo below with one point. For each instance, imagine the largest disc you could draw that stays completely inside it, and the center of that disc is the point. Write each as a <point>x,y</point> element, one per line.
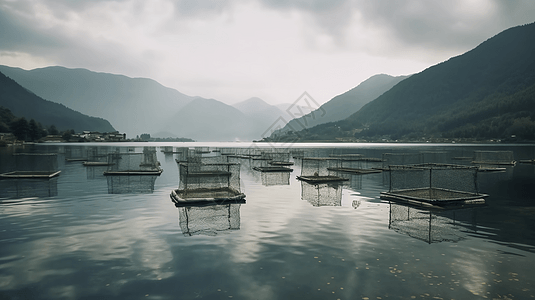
<point>275,178</point>
<point>432,226</point>
<point>210,219</point>
<point>28,187</point>
<point>434,184</point>
<point>133,184</point>
<point>322,194</point>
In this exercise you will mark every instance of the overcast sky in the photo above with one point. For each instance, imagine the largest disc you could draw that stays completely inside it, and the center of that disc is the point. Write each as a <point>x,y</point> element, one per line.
<point>231,50</point>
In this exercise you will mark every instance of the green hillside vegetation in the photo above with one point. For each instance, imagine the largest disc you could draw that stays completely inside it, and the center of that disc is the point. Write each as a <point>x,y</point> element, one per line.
<point>23,103</point>
<point>486,93</point>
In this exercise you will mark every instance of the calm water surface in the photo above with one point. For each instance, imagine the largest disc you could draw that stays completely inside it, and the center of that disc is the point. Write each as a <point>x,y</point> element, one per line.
<point>85,236</point>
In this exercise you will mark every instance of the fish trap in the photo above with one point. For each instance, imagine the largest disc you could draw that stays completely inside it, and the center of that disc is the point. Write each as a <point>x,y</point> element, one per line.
<point>435,184</point>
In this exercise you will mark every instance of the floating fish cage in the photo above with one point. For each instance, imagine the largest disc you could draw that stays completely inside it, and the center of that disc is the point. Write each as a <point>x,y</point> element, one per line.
<point>278,158</point>
<point>145,163</point>
<point>397,159</point>
<point>353,166</point>
<point>315,170</point>
<point>214,182</point>
<point>494,158</point>
<point>96,156</point>
<point>434,184</point>
<point>323,194</point>
<point>33,165</point>
<point>210,218</point>
<point>76,153</point>
<point>430,225</point>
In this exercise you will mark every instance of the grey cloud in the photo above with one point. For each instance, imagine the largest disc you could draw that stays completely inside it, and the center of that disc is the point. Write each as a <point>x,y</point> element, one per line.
<point>412,23</point>
<point>21,33</point>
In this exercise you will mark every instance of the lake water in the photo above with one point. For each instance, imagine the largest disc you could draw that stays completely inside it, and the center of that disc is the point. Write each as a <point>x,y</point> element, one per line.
<point>83,235</point>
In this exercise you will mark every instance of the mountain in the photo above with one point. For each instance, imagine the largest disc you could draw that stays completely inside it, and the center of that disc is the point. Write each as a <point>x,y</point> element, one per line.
<point>133,105</point>
<point>261,116</point>
<point>343,105</point>
<point>23,103</point>
<point>209,120</point>
<point>485,93</point>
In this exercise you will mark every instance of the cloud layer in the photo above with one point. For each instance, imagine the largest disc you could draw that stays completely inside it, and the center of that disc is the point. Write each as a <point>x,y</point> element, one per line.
<point>235,49</point>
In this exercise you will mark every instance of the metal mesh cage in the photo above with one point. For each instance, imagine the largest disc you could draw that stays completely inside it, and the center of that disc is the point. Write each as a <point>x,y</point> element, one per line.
<point>35,162</point>
<point>324,194</point>
<point>494,157</point>
<point>315,167</point>
<point>209,220</point>
<point>194,176</point>
<point>276,156</point>
<point>431,226</point>
<point>131,162</point>
<point>433,182</point>
<point>75,153</point>
<point>442,176</point>
<point>97,154</point>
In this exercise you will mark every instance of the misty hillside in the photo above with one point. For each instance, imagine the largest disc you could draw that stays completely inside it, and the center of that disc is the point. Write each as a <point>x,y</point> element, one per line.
<point>342,106</point>
<point>133,105</point>
<point>486,93</point>
<point>23,103</point>
<point>209,120</point>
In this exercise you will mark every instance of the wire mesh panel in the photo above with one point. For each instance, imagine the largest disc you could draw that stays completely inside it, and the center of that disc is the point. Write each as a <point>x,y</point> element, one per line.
<point>323,194</point>
<point>209,220</point>
<point>494,157</point>
<point>431,226</point>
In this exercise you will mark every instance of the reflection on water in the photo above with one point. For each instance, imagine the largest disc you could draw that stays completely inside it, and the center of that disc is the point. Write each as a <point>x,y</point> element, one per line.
<point>83,235</point>
<point>323,194</point>
<point>209,219</point>
<point>27,187</point>
<point>275,178</point>
<point>432,226</point>
<point>131,184</point>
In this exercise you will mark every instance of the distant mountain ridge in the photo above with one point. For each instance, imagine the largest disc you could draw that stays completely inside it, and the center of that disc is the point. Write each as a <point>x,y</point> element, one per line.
<point>485,93</point>
<point>343,105</point>
<point>23,103</point>
<point>133,105</point>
